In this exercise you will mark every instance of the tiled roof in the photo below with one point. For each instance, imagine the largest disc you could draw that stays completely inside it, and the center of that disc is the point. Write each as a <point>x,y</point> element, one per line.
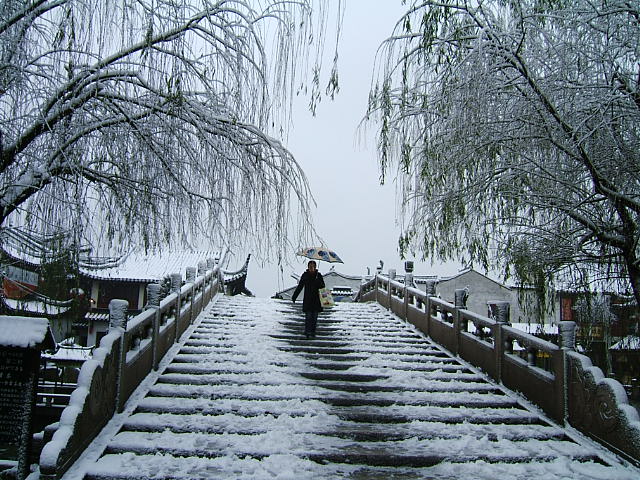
<point>150,267</point>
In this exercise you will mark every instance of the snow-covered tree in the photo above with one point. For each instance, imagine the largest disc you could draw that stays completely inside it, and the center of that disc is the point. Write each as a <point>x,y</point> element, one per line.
<point>144,121</point>
<point>513,128</point>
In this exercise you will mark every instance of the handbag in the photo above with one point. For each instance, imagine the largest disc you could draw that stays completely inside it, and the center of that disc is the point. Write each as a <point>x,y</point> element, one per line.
<point>326,299</point>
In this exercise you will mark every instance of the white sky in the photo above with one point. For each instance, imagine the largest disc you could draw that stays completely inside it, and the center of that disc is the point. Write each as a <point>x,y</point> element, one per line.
<point>355,216</point>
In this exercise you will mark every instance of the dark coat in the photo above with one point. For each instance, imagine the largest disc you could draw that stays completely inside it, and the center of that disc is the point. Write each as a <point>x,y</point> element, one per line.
<point>311,282</point>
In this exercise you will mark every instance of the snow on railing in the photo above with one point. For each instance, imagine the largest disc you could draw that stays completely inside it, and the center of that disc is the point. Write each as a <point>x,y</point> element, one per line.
<point>127,354</point>
<point>559,380</point>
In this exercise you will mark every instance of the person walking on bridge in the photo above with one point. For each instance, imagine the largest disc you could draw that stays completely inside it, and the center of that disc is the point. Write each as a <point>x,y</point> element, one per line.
<point>312,281</point>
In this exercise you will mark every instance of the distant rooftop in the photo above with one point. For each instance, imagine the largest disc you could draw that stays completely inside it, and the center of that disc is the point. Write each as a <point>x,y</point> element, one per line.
<point>32,249</point>
<point>150,267</point>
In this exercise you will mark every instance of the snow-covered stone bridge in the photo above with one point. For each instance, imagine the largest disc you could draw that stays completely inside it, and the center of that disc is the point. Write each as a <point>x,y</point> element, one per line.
<point>246,396</point>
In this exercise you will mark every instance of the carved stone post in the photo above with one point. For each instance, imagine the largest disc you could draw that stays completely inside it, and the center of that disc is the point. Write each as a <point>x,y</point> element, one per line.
<point>500,313</point>
<point>567,332</point>
<point>153,302</point>
<point>391,276</point>
<point>118,313</point>
<point>430,289</point>
<point>176,286</point>
<point>460,302</point>
<point>567,335</point>
<point>191,275</point>
<point>202,268</point>
<point>176,282</point>
<point>118,319</point>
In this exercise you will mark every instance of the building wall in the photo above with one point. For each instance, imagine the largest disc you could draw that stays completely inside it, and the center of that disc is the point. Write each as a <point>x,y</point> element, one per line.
<point>481,290</point>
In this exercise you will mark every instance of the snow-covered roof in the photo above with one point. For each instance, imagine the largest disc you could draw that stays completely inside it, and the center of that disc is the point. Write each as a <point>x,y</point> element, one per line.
<point>32,248</point>
<point>150,267</point>
<point>25,332</point>
<point>70,354</point>
<point>630,342</point>
<point>35,306</point>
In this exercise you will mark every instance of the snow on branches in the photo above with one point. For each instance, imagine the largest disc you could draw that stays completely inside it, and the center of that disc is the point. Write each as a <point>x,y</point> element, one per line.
<point>514,128</point>
<point>152,120</point>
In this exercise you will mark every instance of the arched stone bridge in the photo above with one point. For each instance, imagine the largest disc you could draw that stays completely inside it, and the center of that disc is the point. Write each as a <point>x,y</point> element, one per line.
<point>244,395</point>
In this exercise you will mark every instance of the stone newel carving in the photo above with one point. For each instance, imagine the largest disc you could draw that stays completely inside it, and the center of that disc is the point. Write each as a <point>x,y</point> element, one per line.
<point>191,274</point>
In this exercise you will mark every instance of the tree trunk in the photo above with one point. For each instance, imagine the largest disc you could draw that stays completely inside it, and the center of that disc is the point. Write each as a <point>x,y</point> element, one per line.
<point>634,276</point>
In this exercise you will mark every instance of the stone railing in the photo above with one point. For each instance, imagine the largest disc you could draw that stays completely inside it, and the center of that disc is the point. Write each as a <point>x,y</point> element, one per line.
<point>127,354</point>
<point>562,382</point>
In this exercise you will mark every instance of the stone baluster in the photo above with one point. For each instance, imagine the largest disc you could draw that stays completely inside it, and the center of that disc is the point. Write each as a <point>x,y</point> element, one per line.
<point>118,313</point>
<point>176,286</point>
<point>191,275</point>
<point>501,345</point>
<point>460,302</point>
<point>153,302</point>
<point>567,335</point>
<point>202,268</point>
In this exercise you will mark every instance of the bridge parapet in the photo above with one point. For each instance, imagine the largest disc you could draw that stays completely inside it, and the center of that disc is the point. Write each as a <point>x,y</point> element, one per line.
<point>126,355</point>
<point>562,382</point>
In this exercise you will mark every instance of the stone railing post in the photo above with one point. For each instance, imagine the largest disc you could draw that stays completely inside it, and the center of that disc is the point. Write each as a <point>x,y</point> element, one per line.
<point>153,302</point>
<point>392,278</point>
<point>501,316</point>
<point>375,286</point>
<point>118,320</point>
<point>202,268</point>
<point>567,331</point>
<point>176,285</point>
<point>430,292</point>
<point>460,302</point>
<point>211,263</point>
<point>408,283</point>
<point>567,341</point>
<point>190,276</point>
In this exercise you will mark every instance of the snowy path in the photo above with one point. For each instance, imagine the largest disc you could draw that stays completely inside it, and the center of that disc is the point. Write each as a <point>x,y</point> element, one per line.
<point>248,397</point>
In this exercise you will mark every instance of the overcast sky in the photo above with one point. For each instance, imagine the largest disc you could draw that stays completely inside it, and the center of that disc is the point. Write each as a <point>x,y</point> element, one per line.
<point>355,216</point>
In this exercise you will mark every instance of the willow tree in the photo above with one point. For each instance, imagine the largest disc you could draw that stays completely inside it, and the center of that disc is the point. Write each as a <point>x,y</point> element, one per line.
<point>154,120</point>
<point>512,127</point>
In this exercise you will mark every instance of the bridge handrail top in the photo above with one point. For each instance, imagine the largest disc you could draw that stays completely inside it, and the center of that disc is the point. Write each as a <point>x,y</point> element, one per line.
<point>416,292</point>
<point>442,303</point>
<point>476,317</point>
<point>141,319</point>
<point>168,300</point>
<point>531,339</point>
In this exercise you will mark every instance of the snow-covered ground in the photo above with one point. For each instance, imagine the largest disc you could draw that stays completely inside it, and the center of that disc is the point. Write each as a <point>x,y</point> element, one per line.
<point>247,397</point>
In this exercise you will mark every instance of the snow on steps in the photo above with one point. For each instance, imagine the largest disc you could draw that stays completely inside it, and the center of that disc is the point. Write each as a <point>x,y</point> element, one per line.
<point>249,397</point>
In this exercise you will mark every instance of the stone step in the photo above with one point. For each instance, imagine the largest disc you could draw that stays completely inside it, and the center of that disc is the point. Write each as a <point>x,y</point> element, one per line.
<point>231,423</point>
<point>137,467</point>
<point>377,399</point>
<point>318,348</point>
<point>442,384</point>
<point>361,414</point>
<point>322,449</point>
<point>355,377</point>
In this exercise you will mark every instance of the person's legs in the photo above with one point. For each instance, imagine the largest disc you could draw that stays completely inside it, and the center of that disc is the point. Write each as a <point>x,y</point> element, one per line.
<point>314,323</point>
<point>308,320</point>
